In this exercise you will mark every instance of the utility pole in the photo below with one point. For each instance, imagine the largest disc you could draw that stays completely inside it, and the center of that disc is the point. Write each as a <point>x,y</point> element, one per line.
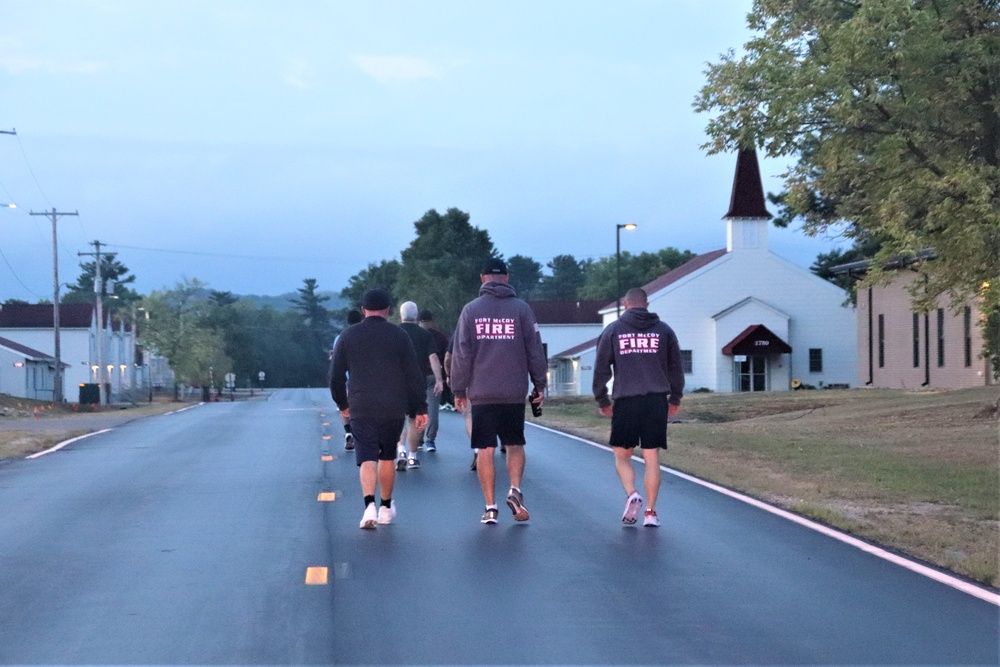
<point>99,340</point>
<point>57,384</point>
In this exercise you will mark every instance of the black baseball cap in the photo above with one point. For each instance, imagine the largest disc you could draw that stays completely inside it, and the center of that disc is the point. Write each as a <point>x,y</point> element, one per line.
<point>376,299</point>
<point>494,266</point>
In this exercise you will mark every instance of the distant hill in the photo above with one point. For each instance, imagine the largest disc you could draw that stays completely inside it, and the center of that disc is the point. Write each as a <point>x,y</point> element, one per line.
<point>284,301</point>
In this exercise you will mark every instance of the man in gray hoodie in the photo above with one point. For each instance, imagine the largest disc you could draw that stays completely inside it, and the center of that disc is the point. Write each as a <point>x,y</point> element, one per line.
<point>643,355</point>
<point>497,349</point>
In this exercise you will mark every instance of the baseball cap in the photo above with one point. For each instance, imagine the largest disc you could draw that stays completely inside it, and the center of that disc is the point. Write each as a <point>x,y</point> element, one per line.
<point>494,266</point>
<point>426,316</point>
<point>376,299</point>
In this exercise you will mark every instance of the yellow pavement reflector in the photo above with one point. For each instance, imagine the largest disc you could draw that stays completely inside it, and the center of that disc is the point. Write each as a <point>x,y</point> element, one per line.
<point>325,424</point>
<point>322,414</point>
<point>316,576</point>
<point>327,457</point>
<point>326,437</point>
<point>327,496</point>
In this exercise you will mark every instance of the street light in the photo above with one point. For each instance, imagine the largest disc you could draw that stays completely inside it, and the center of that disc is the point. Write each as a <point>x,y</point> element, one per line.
<point>618,261</point>
<point>8,205</point>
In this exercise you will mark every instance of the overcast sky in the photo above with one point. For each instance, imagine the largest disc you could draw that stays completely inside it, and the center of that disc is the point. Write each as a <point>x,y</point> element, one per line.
<point>252,144</point>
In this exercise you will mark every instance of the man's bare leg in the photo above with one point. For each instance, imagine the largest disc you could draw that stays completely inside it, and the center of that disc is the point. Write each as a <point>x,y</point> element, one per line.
<point>486,469</point>
<point>515,464</point>
<point>623,466</point>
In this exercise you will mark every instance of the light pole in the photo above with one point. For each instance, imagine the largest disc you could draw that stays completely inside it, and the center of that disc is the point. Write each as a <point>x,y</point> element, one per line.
<point>618,262</point>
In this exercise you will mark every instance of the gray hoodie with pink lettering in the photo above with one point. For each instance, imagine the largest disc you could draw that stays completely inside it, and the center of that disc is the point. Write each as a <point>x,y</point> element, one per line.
<point>497,348</point>
<point>643,354</point>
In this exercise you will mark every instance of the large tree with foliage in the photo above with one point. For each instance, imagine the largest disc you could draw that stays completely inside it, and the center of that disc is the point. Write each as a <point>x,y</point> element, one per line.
<point>440,269</point>
<point>383,274</point>
<point>636,270</point>
<point>565,280</point>
<point>892,110</point>
<point>118,296</point>
<point>317,334</point>
<point>525,275</point>
<point>178,329</point>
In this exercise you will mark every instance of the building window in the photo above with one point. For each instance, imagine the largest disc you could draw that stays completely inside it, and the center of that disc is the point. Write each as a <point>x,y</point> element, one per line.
<point>815,360</point>
<point>967,330</point>
<point>687,362</point>
<point>881,341</point>
<point>940,336</point>
<point>916,340</point>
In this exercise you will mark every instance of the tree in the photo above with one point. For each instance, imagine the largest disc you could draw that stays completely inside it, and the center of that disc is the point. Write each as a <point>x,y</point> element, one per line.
<point>118,299</point>
<point>565,281</point>
<point>525,275</point>
<point>892,110</point>
<point>636,270</point>
<point>383,274</point>
<point>177,329</point>
<point>440,269</point>
<point>317,334</point>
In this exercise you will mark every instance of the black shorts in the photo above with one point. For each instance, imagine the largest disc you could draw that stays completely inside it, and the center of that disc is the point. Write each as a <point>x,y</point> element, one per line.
<point>640,421</point>
<point>497,420</point>
<point>375,439</point>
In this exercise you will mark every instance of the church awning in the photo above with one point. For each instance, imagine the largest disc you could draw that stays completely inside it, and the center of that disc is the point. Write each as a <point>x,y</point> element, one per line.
<point>757,339</point>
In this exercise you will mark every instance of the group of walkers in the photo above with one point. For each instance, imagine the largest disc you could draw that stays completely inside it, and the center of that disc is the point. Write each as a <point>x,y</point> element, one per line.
<point>387,382</point>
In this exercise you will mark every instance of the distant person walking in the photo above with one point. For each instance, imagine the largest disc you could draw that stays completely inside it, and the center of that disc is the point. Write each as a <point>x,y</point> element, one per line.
<point>430,366</point>
<point>353,317</point>
<point>642,354</point>
<point>435,401</point>
<point>497,349</point>
<point>376,382</point>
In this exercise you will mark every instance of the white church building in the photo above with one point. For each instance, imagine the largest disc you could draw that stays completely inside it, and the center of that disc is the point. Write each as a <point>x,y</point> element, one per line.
<point>746,319</point>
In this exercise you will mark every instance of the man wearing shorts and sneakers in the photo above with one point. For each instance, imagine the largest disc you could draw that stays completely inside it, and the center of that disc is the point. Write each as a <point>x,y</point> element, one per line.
<point>642,354</point>
<point>376,382</point>
<point>497,349</point>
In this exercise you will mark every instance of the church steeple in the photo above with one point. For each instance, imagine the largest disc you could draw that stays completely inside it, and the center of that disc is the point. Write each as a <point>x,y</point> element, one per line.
<point>747,200</point>
<point>747,218</point>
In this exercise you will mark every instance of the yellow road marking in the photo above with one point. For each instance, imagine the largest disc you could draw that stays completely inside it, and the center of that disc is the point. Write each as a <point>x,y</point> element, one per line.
<point>327,496</point>
<point>327,457</point>
<point>316,576</point>
<point>326,437</point>
<point>325,423</point>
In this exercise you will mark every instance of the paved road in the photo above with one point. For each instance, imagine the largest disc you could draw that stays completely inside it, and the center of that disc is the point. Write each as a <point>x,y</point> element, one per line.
<point>186,538</point>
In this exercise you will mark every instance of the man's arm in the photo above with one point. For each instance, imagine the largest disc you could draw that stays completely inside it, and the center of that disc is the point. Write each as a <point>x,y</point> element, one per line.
<point>338,376</point>
<point>436,369</point>
<point>461,357</point>
<point>538,365</point>
<point>674,369</point>
<point>602,368</point>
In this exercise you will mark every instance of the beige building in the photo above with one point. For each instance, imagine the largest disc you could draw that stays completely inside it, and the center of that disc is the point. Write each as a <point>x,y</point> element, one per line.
<point>902,349</point>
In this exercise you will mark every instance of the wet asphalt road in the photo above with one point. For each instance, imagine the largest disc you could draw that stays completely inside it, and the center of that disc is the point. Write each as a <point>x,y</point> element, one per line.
<point>186,539</point>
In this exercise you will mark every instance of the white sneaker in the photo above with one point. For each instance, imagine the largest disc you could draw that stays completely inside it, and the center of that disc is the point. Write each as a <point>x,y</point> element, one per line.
<point>649,518</point>
<point>387,514</point>
<point>632,506</point>
<point>370,517</point>
<point>400,460</point>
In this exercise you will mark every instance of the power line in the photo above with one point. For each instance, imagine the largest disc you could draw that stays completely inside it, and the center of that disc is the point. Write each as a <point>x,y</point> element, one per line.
<point>225,255</point>
<point>16,277</point>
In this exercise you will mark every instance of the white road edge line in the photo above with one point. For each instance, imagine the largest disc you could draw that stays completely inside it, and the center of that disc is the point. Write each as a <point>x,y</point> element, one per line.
<point>913,566</point>
<point>174,412</point>
<point>64,443</point>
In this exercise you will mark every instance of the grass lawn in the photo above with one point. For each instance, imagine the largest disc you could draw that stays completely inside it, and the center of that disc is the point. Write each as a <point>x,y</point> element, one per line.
<point>918,472</point>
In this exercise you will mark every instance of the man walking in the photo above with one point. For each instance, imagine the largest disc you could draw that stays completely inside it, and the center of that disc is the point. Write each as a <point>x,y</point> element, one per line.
<point>430,366</point>
<point>497,348</point>
<point>384,385</point>
<point>642,354</point>
<point>435,402</point>
<point>353,317</point>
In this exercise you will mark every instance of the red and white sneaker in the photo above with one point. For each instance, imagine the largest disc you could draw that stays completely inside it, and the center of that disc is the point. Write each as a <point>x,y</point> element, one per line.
<point>649,518</point>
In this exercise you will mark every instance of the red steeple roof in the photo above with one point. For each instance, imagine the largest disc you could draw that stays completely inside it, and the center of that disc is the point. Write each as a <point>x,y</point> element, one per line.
<point>748,192</point>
